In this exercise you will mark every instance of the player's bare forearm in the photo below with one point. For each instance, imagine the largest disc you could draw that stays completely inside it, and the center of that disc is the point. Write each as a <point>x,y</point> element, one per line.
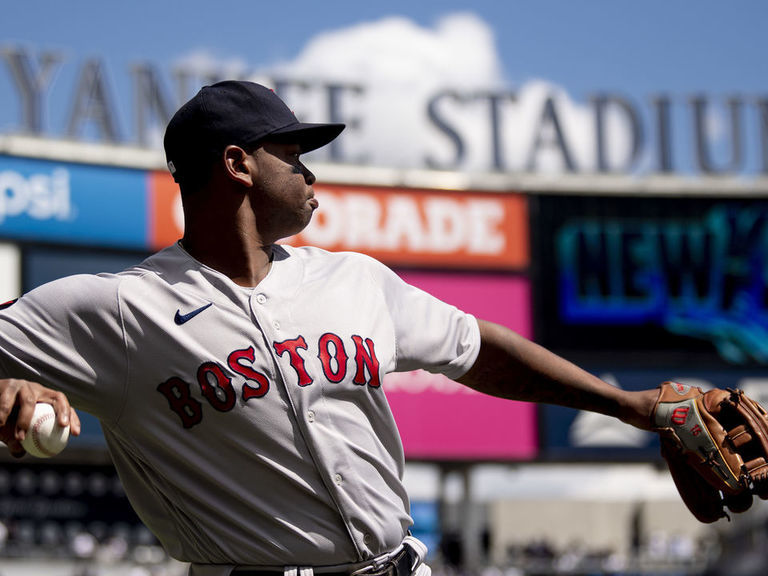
<point>511,366</point>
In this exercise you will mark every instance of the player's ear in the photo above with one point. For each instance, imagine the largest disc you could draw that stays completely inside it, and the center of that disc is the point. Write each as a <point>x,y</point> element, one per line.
<point>239,165</point>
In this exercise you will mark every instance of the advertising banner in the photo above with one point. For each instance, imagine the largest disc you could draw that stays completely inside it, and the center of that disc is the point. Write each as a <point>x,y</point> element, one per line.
<point>72,203</point>
<point>673,281</point>
<point>422,227</point>
<point>442,420</point>
<point>425,228</point>
<point>165,219</point>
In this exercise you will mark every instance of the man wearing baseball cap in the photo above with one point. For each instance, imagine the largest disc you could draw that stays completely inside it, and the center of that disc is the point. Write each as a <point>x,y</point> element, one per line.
<point>239,381</point>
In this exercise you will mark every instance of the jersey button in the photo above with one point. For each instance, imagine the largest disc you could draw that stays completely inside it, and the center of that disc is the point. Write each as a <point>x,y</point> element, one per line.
<point>367,538</point>
<point>311,416</point>
<point>338,479</point>
<point>260,298</point>
<point>276,324</point>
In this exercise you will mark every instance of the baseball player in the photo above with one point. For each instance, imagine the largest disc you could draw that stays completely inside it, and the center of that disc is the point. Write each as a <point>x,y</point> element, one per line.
<point>239,382</point>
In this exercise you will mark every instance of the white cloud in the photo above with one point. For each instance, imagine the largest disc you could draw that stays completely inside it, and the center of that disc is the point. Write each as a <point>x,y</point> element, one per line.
<point>459,51</point>
<point>400,65</point>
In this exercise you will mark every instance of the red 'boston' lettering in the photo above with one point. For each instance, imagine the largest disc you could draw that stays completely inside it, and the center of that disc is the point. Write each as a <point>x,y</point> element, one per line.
<point>216,383</point>
<point>176,391</point>
<point>326,358</point>
<point>252,375</point>
<point>219,393</point>
<point>297,362</point>
<point>365,358</point>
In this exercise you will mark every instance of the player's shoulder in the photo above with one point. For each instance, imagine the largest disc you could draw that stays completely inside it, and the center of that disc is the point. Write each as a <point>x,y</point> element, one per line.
<point>159,262</point>
<point>164,266</point>
<point>342,268</point>
<point>323,256</point>
<point>314,258</point>
<point>91,290</point>
<point>81,293</point>
<point>70,293</point>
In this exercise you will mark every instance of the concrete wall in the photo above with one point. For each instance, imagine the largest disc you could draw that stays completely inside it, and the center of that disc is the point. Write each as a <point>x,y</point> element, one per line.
<point>591,524</point>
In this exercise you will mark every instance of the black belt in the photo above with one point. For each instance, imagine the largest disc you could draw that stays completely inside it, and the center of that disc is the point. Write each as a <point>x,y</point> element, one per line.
<point>400,565</point>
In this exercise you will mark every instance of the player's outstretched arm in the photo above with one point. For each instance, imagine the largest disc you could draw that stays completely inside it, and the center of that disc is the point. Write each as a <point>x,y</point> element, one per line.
<point>17,403</point>
<point>511,366</point>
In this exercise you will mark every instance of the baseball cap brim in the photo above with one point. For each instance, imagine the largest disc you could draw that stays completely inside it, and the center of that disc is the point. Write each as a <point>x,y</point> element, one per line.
<point>308,136</point>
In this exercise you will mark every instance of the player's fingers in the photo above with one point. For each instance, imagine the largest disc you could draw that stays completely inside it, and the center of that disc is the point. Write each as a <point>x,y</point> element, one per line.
<point>60,404</point>
<point>26,398</point>
<point>9,389</point>
<point>65,414</point>
<point>74,422</point>
<point>7,436</point>
<point>17,403</point>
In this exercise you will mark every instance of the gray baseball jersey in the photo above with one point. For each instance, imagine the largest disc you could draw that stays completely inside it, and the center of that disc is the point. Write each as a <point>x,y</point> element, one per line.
<point>248,425</point>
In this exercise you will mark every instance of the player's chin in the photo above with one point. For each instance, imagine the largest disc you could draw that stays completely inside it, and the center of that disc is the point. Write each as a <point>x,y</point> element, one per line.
<point>301,221</point>
<point>309,210</point>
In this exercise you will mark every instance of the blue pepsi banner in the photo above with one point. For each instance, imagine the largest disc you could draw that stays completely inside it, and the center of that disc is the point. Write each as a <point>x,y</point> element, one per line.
<point>659,280</point>
<point>72,203</point>
<point>567,434</point>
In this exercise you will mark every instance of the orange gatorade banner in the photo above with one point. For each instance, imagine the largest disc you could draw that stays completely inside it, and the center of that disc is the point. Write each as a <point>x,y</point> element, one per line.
<point>422,227</point>
<point>166,218</point>
<point>398,226</point>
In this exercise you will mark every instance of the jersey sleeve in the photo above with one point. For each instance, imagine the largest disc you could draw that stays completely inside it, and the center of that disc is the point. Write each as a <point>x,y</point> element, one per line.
<point>68,335</point>
<point>430,334</point>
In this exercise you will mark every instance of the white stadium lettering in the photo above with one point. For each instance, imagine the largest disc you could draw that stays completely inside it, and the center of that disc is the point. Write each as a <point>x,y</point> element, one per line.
<point>39,196</point>
<point>363,221</point>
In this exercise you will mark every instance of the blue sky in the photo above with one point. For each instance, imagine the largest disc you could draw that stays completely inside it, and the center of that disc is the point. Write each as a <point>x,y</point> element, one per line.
<point>633,46</point>
<point>636,49</point>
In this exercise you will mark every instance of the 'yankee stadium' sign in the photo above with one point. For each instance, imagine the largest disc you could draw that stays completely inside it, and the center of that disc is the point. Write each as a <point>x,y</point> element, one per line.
<point>503,130</point>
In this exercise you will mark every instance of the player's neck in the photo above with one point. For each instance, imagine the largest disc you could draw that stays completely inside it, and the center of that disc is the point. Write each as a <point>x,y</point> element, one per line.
<point>245,261</point>
<point>221,232</point>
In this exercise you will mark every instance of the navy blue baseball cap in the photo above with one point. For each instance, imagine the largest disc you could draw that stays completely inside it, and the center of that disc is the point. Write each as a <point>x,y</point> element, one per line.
<point>236,112</point>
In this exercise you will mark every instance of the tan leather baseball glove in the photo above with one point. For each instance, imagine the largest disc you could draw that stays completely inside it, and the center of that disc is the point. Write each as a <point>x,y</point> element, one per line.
<point>716,446</point>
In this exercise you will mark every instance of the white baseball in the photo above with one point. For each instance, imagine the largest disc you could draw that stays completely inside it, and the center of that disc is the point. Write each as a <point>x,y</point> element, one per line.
<point>45,438</point>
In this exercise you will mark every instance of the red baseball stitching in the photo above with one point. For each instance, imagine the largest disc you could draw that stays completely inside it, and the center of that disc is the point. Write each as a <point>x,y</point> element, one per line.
<point>36,435</point>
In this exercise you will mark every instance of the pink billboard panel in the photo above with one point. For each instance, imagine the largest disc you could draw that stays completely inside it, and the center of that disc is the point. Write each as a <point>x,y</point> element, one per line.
<point>442,420</point>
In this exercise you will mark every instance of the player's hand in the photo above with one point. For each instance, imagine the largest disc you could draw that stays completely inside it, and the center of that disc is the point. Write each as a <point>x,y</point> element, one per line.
<point>17,403</point>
